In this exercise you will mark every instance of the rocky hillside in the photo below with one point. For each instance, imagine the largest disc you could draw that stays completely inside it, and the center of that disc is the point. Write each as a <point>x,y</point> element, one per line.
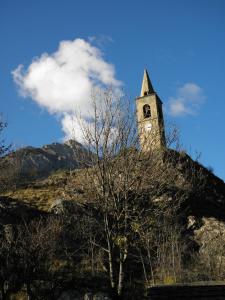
<point>31,163</point>
<point>57,191</point>
<point>205,192</point>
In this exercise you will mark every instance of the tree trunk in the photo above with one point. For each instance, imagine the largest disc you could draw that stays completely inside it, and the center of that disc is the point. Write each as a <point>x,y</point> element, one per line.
<point>143,265</point>
<point>111,266</point>
<point>150,264</point>
<point>121,274</point>
<point>92,261</point>
<point>3,295</point>
<point>30,295</point>
<point>4,292</point>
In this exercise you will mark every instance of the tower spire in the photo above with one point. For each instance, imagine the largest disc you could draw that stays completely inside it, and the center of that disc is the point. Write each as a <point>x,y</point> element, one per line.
<point>147,87</point>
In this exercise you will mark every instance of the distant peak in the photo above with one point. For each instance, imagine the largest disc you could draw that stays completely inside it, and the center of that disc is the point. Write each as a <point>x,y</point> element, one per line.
<point>147,87</point>
<point>72,143</point>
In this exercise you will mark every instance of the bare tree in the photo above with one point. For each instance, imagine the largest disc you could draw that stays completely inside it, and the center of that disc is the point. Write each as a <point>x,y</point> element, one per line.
<point>124,180</point>
<point>9,282</point>
<point>3,147</point>
<point>35,247</point>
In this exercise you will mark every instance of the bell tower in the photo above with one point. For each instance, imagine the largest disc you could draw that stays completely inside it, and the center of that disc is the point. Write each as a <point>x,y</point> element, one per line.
<point>150,117</point>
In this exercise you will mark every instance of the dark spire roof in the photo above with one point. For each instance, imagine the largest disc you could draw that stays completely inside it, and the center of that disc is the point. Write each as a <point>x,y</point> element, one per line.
<point>147,87</point>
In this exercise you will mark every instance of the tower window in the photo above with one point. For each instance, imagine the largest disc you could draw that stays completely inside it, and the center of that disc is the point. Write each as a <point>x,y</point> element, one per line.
<point>147,111</point>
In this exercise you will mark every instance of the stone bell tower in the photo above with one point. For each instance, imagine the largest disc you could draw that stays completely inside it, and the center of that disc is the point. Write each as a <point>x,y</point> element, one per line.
<point>150,117</point>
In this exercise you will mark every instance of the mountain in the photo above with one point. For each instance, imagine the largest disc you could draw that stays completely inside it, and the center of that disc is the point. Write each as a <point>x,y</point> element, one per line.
<point>31,163</point>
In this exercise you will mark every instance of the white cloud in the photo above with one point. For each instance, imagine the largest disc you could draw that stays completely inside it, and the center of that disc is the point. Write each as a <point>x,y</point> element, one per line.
<point>72,127</point>
<point>187,101</point>
<point>62,82</point>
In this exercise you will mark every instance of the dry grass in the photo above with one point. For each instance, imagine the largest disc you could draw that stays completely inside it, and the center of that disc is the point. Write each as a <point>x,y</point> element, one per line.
<point>19,296</point>
<point>41,194</point>
<point>39,198</point>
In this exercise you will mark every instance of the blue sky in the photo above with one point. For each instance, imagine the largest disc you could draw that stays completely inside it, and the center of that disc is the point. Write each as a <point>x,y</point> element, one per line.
<point>181,43</point>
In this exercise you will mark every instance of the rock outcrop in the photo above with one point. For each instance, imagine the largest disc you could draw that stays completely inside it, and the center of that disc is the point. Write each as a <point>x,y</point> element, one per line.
<point>31,163</point>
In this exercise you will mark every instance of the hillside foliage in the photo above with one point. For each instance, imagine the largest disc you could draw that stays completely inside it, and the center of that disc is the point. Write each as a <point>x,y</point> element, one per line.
<point>122,222</point>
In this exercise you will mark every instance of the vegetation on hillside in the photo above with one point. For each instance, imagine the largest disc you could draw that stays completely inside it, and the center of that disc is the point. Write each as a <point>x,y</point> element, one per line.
<point>122,224</point>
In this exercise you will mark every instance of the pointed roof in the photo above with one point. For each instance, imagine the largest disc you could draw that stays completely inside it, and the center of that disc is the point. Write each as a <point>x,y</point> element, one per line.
<point>147,87</point>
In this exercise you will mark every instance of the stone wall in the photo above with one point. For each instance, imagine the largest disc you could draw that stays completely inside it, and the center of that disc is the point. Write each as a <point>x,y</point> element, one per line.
<point>187,292</point>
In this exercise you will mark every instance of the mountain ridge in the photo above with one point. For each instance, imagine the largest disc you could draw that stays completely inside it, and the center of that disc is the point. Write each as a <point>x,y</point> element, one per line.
<point>30,163</point>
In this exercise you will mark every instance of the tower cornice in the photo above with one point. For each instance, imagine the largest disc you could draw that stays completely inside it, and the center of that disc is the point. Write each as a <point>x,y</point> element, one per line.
<point>150,94</point>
